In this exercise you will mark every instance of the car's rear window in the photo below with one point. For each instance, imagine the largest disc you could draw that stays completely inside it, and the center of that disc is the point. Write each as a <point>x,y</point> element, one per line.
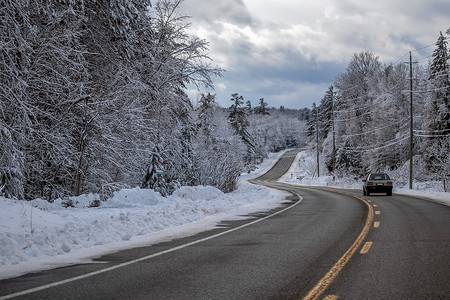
<point>379,177</point>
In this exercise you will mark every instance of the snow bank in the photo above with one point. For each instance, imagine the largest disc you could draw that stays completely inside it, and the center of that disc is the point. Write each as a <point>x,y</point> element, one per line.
<point>37,235</point>
<point>305,164</point>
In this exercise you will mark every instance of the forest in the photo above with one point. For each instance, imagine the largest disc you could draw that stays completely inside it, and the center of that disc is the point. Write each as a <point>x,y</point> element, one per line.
<point>377,116</point>
<point>93,99</point>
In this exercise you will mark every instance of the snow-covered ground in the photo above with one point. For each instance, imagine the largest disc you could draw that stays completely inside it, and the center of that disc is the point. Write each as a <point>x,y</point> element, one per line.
<point>303,168</point>
<point>37,235</point>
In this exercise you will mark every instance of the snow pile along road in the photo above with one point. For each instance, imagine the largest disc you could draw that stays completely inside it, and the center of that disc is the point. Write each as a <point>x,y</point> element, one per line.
<point>303,172</point>
<point>36,235</point>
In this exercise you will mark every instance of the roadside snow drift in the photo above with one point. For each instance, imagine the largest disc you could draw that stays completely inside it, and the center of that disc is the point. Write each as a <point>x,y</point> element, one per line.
<point>36,235</point>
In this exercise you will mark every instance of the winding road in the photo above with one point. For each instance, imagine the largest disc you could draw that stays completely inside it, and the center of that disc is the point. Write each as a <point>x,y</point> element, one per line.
<point>321,243</point>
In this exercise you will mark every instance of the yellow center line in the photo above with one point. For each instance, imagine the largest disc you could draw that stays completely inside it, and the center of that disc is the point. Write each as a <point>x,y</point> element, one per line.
<point>376,224</point>
<point>375,205</point>
<point>326,280</point>
<point>366,248</point>
<point>331,297</point>
<point>377,212</point>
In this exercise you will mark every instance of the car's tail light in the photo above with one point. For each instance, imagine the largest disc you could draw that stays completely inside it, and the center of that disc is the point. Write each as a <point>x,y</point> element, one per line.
<point>389,183</point>
<point>370,183</point>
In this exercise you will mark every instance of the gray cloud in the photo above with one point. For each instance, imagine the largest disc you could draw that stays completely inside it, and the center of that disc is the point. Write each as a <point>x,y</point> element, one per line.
<point>289,51</point>
<point>209,12</point>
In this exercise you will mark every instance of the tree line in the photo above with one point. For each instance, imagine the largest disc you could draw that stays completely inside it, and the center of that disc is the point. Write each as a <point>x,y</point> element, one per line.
<point>92,99</point>
<point>368,109</point>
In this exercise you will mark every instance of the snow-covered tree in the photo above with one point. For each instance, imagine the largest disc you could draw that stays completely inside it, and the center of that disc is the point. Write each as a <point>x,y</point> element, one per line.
<point>154,178</point>
<point>262,108</point>
<point>238,117</point>
<point>438,109</point>
<point>353,114</point>
<point>312,123</point>
<point>215,146</point>
<point>11,166</point>
<point>45,74</point>
<point>441,160</point>
<point>326,113</point>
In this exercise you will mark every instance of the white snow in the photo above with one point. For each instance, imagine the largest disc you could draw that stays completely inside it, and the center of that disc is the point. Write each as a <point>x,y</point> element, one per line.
<point>37,235</point>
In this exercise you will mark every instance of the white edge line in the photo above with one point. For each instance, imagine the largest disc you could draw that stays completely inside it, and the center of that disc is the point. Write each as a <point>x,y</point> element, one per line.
<point>47,286</point>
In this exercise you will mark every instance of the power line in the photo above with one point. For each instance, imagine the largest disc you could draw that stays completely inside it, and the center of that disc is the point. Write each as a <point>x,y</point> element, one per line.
<point>425,47</point>
<point>431,131</point>
<point>428,91</point>
<point>354,109</point>
<point>376,129</point>
<point>425,57</point>
<point>415,50</point>
<point>373,149</point>
<point>354,118</point>
<point>395,62</point>
<point>432,136</point>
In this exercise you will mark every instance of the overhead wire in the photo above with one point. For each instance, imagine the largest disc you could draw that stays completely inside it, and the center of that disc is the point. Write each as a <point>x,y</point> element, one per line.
<point>432,136</point>
<point>393,141</point>
<point>414,50</point>
<point>424,47</point>
<point>376,129</point>
<point>373,149</point>
<point>431,131</point>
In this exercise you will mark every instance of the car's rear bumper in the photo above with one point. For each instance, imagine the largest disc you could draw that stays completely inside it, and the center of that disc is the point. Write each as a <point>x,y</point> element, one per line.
<point>379,189</point>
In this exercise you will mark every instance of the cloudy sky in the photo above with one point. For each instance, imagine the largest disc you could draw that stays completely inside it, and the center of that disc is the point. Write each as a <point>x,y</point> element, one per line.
<point>289,51</point>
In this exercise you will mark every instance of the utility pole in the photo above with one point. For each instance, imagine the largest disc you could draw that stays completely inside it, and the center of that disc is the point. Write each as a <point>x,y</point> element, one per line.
<point>334,137</point>
<point>317,140</point>
<point>411,132</point>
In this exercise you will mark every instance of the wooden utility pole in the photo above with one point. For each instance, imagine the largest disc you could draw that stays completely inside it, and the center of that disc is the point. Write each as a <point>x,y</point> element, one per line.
<point>334,137</point>
<point>317,141</point>
<point>411,132</point>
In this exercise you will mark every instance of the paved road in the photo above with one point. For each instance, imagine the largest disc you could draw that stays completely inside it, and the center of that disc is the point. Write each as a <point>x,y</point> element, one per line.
<point>279,254</point>
<point>409,257</point>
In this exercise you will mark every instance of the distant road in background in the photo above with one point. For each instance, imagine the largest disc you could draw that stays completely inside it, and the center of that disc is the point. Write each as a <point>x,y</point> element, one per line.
<point>372,247</point>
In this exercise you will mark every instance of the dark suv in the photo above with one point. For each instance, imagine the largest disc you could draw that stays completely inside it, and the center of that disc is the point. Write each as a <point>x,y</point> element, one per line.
<point>377,183</point>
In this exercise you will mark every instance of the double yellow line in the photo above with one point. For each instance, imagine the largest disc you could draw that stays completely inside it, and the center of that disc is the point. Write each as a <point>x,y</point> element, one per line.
<point>326,280</point>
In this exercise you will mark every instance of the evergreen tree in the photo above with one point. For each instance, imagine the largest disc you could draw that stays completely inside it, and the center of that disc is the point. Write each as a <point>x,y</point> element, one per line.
<point>207,103</point>
<point>154,177</point>
<point>312,123</point>
<point>262,108</point>
<point>438,110</point>
<point>248,107</point>
<point>240,123</point>
<point>439,104</point>
<point>237,114</point>
<point>326,113</point>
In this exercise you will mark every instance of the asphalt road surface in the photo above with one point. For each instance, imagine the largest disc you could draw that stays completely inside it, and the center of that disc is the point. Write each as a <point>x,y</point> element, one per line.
<point>320,244</point>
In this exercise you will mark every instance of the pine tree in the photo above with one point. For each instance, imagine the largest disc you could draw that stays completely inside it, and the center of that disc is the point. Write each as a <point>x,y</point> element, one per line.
<point>248,107</point>
<point>438,110</point>
<point>262,108</point>
<point>326,113</point>
<point>207,103</point>
<point>439,104</point>
<point>312,123</point>
<point>154,178</point>
<point>240,123</point>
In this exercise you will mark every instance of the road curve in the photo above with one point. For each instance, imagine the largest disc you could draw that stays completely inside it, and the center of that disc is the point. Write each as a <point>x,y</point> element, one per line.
<point>279,254</point>
<point>407,254</point>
